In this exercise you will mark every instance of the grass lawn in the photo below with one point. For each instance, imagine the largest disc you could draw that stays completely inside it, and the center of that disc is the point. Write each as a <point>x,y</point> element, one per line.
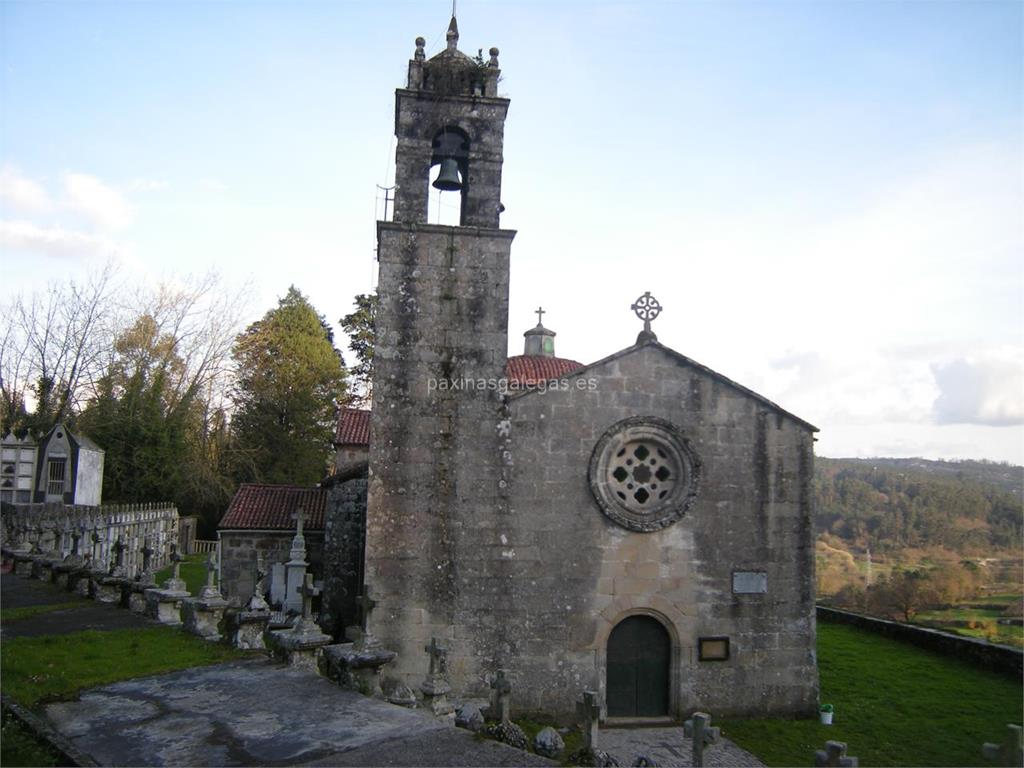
<point>38,669</point>
<point>17,614</point>
<point>896,705</point>
<point>193,571</point>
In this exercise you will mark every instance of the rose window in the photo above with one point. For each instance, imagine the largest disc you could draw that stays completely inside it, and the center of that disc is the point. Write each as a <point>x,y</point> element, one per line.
<point>644,474</point>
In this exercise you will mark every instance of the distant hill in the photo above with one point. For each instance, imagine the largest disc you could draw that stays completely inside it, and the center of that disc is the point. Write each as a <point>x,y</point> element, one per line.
<point>1009,477</point>
<point>968,507</point>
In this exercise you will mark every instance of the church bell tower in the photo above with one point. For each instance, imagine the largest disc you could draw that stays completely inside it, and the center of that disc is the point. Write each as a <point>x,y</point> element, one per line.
<point>436,462</point>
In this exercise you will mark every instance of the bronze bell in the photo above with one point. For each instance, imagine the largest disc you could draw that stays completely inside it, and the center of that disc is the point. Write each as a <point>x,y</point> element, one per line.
<point>448,178</point>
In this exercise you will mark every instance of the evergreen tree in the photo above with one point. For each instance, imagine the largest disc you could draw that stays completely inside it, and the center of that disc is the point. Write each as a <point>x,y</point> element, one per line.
<point>290,381</point>
<point>361,329</point>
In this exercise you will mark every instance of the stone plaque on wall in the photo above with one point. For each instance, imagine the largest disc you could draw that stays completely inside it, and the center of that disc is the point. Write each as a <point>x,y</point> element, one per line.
<point>749,582</point>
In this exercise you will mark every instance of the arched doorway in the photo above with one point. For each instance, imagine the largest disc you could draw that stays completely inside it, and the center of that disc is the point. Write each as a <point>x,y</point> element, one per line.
<point>639,655</point>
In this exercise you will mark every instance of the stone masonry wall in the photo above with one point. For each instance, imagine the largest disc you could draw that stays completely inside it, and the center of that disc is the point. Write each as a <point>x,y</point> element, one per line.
<point>344,534</point>
<point>435,464</point>
<point>573,574</point>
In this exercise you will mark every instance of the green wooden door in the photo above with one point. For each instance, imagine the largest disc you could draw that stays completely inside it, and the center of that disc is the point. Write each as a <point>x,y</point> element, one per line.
<point>638,668</point>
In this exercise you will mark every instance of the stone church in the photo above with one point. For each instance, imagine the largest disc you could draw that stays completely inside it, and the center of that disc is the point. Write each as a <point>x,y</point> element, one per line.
<point>641,526</point>
<point>643,529</point>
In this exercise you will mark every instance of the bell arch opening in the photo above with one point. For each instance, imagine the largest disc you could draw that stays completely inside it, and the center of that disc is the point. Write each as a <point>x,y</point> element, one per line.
<point>449,177</point>
<point>638,673</point>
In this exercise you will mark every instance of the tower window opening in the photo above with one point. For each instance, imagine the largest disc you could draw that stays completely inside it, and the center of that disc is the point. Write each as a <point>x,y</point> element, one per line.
<point>443,208</point>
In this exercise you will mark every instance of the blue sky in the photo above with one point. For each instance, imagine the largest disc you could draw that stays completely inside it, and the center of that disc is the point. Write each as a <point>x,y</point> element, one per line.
<point>826,197</point>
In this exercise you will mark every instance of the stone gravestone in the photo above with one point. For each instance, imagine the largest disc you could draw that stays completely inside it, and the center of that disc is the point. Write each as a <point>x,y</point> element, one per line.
<point>249,625</point>
<point>1010,752</point>
<point>202,614</point>
<point>164,604</point>
<point>301,644</point>
<point>588,713</point>
<point>834,754</point>
<point>358,665</point>
<point>435,687</point>
<point>501,702</point>
<point>143,580</point>
<point>698,728</point>
<point>295,568</point>
<point>107,588</point>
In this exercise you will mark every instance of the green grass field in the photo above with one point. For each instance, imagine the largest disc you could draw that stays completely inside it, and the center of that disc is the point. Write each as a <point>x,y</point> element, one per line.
<point>40,669</point>
<point>896,705</point>
<point>193,571</point>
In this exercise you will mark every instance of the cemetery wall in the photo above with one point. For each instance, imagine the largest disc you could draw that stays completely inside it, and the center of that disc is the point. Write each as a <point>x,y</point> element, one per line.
<point>999,658</point>
<point>51,528</point>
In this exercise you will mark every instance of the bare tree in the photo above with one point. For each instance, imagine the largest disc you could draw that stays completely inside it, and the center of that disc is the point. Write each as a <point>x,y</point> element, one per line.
<point>53,348</point>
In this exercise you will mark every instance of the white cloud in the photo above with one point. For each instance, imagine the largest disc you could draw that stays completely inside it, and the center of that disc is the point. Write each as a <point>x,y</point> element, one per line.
<point>213,185</point>
<point>985,389</point>
<point>22,193</point>
<point>24,236</point>
<point>100,203</point>
<point>146,185</point>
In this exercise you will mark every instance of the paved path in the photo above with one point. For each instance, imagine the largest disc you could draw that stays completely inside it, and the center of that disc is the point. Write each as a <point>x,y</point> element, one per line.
<point>668,747</point>
<point>260,713</point>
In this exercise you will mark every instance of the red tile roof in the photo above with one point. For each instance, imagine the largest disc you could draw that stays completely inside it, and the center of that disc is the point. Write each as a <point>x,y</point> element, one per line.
<point>354,423</point>
<point>270,507</point>
<point>353,427</point>
<point>532,369</point>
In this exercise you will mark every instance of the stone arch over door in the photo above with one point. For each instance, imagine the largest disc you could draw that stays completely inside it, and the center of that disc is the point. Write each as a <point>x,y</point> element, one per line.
<point>677,624</point>
<point>638,674</point>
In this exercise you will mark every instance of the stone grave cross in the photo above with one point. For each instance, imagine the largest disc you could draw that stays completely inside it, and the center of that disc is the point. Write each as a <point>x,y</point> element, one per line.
<point>119,548</point>
<point>308,590</point>
<point>698,728</point>
<point>834,754</point>
<point>438,658</point>
<point>366,605</point>
<point>259,574</point>
<point>147,555</point>
<point>1008,753</point>
<point>503,695</point>
<point>589,714</point>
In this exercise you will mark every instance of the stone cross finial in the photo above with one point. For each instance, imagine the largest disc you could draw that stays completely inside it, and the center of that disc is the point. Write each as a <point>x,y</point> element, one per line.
<point>698,728</point>
<point>299,517</point>
<point>647,309</point>
<point>309,590</point>
<point>502,688</point>
<point>540,315</point>
<point>834,754</point>
<point>438,657</point>
<point>1010,752</point>
<point>589,714</point>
